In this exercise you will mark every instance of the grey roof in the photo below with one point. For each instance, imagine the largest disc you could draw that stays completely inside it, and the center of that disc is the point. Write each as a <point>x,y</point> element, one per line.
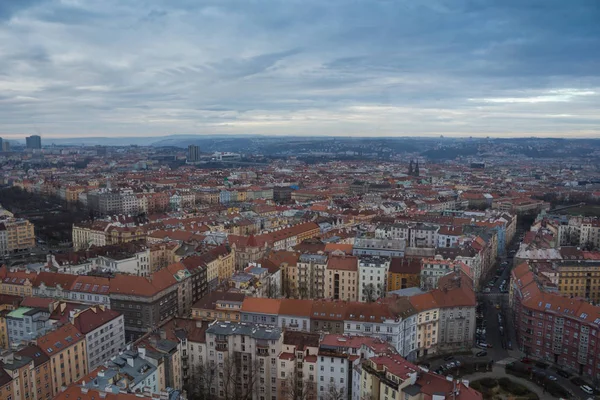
<point>412,390</point>
<point>119,367</point>
<point>316,258</point>
<point>255,331</point>
<point>408,292</point>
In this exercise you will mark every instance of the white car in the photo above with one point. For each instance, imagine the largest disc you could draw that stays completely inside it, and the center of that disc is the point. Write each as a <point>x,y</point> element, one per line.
<point>552,378</point>
<point>587,389</point>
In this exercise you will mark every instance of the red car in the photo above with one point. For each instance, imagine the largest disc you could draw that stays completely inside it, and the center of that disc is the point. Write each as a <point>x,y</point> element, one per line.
<point>526,361</point>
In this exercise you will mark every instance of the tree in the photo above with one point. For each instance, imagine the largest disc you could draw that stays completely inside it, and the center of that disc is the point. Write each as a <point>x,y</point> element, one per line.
<point>335,393</point>
<point>202,378</point>
<point>239,373</point>
<point>297,388</point>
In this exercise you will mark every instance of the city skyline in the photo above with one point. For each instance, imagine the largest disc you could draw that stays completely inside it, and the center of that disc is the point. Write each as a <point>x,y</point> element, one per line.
<point>155,68</point>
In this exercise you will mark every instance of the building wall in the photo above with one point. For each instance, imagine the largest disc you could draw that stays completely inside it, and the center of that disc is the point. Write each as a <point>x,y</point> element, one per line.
<point>397,281</point>
<point>340,284</point>
<point>105,341</point>
<point>69,368</point>
<point>427,331</point>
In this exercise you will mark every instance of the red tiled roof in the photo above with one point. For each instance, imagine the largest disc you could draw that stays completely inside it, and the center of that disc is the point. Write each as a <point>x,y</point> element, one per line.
<point>93,318</point>
<point>60,339</point>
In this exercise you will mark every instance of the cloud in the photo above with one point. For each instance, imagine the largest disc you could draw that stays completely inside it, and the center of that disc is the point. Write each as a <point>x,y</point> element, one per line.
<point>152,67</point>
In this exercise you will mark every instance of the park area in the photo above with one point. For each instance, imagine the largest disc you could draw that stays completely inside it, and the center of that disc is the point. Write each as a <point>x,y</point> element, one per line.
<point>502,388</point>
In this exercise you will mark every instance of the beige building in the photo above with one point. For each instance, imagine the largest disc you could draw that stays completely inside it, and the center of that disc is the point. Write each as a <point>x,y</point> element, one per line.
<point>427,323</point>
<point>341,278</point>
<point>66,348</point>
<point>579,278</point>
<point>20,234</point>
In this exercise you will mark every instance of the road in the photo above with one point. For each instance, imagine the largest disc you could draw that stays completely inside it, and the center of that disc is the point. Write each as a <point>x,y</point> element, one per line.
<point>495,303</point>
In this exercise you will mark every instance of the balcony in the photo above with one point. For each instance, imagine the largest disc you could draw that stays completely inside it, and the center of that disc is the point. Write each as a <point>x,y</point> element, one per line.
<point>221,346</point>
<point>262,352</point>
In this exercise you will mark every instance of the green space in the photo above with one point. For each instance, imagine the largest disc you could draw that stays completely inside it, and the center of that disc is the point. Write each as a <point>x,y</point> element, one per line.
<point>502,388</point>
<point>590,210</point>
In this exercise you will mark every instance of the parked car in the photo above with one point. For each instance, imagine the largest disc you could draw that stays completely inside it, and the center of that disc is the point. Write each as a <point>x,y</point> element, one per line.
<point>481,353</point>
<point>487,290</point>
<point>458,363</point>
<point>482,345</point>
<point>587,389</point>
<point>526,360</point>
<point>578,381</point>
<point>563,373</point>
<point>552,378</point>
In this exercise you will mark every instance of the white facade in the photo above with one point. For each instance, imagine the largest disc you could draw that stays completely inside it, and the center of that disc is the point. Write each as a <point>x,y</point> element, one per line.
<point>408,347</point>
<point>333,372</point>
<point>3,240</point>
<point>137,264</point>
<point>89,298</point>
<point>105,341</point>
<point>372,278</point>
<point>294,323</point>
<point>388,330</point>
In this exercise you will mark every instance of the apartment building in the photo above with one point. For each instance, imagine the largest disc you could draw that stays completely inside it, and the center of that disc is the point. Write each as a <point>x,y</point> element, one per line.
<point>423,235</point>
<point>553,327</point>
<point>310,279</point>
<point>3,240</point>
<point>220,306</point>
<point>245,357</point>
<point>457,303</point>
<point>15,282</point>
<point>334,368</point>
<point>372,278</point>
<point>104,331</point>
<point>403,273</point>
<point>128,372</point>
<point>25,324</point>
<point>294,314</point>
<point>144,302</point>
<point>369,246</point>
<point>427,323</point>
<point>389,377</point>
<point>66,348</point>
<point>590,234</point>
<point>386,376</point>
<point>579,278</point>
<point>327,316</point>
<point>29,372</point>
<point>199,276</point>
<point>432,269</point>
<point>260,310</point>
<point>20,234</point>
<point>164,353</point>
<point>297,366</point>
<point>341,278</point>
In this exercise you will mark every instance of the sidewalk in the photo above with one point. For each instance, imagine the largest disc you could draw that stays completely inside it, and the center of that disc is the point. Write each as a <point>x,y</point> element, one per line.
<point>499,372</point>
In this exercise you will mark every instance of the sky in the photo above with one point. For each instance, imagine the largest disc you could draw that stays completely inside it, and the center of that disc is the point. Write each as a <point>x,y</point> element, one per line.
<point>509,68</point>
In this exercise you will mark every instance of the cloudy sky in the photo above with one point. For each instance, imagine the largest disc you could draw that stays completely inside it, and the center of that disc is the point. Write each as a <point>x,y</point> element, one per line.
<point>304,67</point>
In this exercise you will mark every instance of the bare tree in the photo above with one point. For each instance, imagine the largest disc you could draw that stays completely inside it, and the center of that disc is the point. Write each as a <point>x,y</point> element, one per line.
<point>239,376</point>
<point>335,393</point>
<point>303,291</point>
<point>297,388</point>
<point>202,378</point>
<point>272,290</point>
